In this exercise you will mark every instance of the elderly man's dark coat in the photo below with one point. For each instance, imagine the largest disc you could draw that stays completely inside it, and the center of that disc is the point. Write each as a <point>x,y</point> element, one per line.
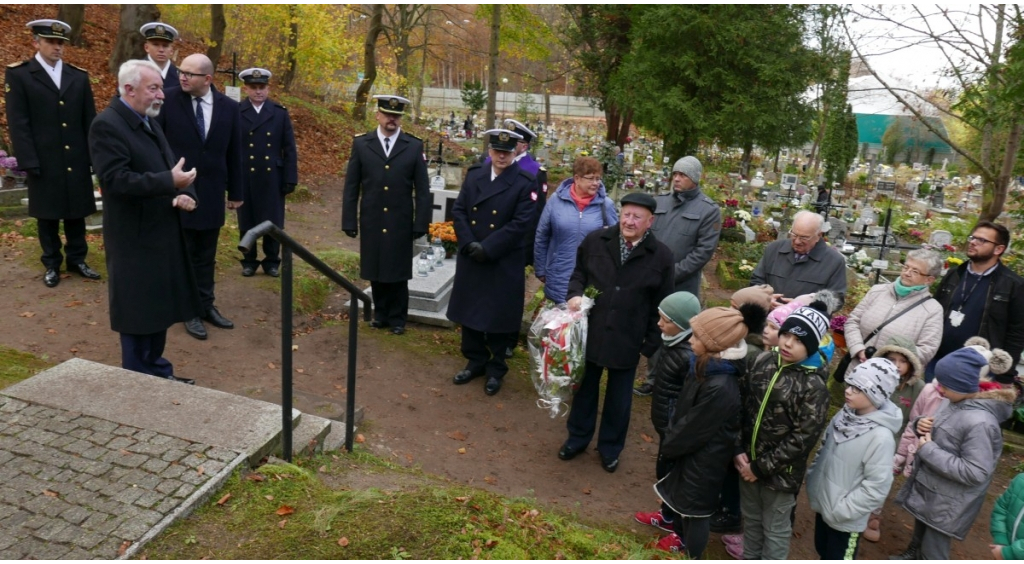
<point>49,132</point>
<point>150,280</point>
<point>488,296</point>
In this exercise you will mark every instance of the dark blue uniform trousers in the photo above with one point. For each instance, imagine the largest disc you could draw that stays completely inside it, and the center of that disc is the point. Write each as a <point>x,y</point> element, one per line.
<point>49,240</point>
<point>618,400</point>
<point>144,353</point>
<point>390,302</point>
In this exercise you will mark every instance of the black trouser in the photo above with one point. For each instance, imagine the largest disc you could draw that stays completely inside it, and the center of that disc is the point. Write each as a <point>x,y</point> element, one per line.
<point>832,544</point>
<point>695,532</point>
<point>271,254</point>
<point>202,250</point>
<point>661,469</point>
<point>49,240</point>
<point>731,491</point>
<point>391,302</point>
<point>618,400</point>
<point>485,352</point>
<point>144,353</point>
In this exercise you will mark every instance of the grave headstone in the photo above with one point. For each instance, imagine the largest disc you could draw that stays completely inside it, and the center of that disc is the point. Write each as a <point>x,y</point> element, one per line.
<point>940,238</point>
<point>885,186</point>
<point>757,209</point>
<point>443,202</point>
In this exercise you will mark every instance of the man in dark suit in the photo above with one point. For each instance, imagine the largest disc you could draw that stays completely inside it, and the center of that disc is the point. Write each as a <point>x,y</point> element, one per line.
<point>159,47</point>
<point>151,285</point>
<point>49,110</point>
<point>204,126</point>
<point>388,168</point>
<point>268,150</point>
<point>491,217</point>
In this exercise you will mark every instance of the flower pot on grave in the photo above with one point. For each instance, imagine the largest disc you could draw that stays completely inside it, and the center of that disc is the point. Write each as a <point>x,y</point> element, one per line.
<point>840,339</point>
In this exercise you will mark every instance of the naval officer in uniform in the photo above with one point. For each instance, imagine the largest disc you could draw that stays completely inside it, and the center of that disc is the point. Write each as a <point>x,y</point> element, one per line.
<point>159,48</point>
<point>526,162</point>
<point>491,215</point>
<point>386,181</point>
<point>270,167</point>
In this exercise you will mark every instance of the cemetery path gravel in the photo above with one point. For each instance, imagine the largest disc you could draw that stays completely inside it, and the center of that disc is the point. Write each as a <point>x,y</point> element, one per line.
<point>414,415</point>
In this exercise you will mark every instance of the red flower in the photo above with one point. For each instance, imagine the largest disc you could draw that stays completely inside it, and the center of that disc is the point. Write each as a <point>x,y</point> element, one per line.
<point>729,223</point>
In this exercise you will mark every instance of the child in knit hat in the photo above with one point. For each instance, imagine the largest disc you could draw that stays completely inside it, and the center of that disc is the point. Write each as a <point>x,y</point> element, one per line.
<point>851,474</point>
<point>785,407</point>
<point>706,423</point>
<point>670,368</point>
<point>958,449</point>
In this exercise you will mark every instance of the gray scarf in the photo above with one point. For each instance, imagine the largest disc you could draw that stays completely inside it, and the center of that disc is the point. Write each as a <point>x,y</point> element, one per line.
<point>848,425</point>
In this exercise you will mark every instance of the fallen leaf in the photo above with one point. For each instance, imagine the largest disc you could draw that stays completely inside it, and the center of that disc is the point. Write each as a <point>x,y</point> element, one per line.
<point>125,452</point>
<point>124,547</point>
<point>175,402</point>
<point>343,541</point>
<point>405,396</point>
<point>281,523</point>
<point>92,323</point>
<point>51,331</point>
<point>647,438</point>
<point>200,470</point>
<point>27,314</point>
<point>255,477</point>
<point>586,491</point>
<point>50,493</point>
<point>462,499</point>
<point>491,543</point>
<point>284,510</point>
<point>295,347</point>
<point>269,497</point>
<point>457,435</point>
<point>271,365</point>
<point>73,350</point>
<point>224,499</point>
<point>299,370</point>
<point>322,469</point>
<point>360,438</point>
<point>462,450</point>
<point>490,480</point>
<point>74,303</point>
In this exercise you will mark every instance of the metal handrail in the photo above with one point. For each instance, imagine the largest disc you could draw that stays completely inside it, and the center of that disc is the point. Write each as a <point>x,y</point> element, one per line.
<point>290,245</point>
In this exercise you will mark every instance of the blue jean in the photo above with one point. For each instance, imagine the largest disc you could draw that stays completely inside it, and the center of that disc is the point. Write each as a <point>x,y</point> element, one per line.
<point>618,400</point>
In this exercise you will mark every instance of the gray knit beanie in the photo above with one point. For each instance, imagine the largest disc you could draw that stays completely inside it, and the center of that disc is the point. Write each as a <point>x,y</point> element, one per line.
<point>689,166</point>
<point>877,378</point>
<point>680,307</point>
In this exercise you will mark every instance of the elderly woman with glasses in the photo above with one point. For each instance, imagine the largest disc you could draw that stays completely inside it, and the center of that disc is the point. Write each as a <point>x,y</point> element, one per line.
<point>920,315</point>
<point>580,205</point>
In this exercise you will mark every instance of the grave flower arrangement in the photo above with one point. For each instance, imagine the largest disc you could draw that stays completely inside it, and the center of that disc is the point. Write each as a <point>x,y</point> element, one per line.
<point>557,342</point>
<point>446,232</point>
<point>10,165</point>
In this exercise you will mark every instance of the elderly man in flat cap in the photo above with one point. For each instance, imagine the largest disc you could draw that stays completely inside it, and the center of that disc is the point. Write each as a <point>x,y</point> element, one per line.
<point>49,110</point>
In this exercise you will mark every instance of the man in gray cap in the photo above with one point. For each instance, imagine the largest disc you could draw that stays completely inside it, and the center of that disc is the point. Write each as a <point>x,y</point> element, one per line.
<point>689,223</point>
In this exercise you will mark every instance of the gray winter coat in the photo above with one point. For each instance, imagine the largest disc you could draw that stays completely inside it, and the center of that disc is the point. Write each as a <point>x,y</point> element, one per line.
<point>849,480</point>
<point>954,470</point>
<point>690,227</point>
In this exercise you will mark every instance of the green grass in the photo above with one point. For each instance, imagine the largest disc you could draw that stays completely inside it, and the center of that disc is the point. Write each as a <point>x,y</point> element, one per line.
<point>413,516</point>
<point>16,366</point>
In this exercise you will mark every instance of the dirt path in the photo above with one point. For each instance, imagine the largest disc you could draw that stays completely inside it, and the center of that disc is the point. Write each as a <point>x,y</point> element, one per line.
<point>414,414</point>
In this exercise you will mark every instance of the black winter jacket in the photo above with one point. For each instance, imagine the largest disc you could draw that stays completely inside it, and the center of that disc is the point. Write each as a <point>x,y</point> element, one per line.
<point>673,362</point>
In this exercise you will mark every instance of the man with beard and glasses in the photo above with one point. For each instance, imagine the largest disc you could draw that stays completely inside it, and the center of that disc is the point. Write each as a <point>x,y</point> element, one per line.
<point>982,297</point>
<point>151,284</point>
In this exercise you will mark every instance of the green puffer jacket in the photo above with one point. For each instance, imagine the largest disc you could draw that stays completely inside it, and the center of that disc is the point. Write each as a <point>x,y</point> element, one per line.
<point>1007,523</point>
<point>785,409</point>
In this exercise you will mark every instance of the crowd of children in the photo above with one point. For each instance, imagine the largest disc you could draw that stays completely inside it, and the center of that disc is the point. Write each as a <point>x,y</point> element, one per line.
<point>722,407</point>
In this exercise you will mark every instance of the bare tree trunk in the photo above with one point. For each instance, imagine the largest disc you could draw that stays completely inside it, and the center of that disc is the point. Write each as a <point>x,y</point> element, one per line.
<point>547,106</point>
<point>748,149</point>
<point>293,47</point>
<point>369,62</point>
<point>423,73</point>
<point>129,40</point>
<point>997,199</point>
<point>74,16</point>
<point>218,23</point>
<point>492,72</point>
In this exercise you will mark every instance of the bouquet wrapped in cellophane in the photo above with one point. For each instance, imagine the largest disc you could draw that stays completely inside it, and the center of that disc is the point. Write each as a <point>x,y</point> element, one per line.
<point>557,340</point>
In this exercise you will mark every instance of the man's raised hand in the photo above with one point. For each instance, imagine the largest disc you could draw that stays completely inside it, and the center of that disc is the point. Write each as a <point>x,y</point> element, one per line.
<point>181,178</point>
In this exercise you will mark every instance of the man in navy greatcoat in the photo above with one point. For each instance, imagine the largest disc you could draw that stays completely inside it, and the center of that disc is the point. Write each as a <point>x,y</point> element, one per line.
<point>204,126</point>
<point>491,215</point>
<point>49,110</point>
<point>269,167</point>
<point>386,181</point>
<point>526,162</point>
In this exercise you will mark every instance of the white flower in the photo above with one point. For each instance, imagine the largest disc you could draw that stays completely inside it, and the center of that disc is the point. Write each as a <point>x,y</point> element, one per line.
<point>743,215</point>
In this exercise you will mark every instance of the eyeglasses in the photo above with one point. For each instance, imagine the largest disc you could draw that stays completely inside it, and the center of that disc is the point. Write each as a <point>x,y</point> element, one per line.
<point>981,240</point>
<point>188,75</point>
<point>591,179</point>
<point>801,238</point>
<point>913,271</point>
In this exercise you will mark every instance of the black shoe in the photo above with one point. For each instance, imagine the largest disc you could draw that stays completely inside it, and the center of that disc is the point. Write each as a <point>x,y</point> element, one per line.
<point>196,328</point>
<point>398,330</point>
<point>643,390</point>
<point>84,270</point>
<point>723,522</point>
<point>218,320</point>
<point>609,464</point>
<point>272,271</point>
<point>465,376</point>
<point>378,324</point>
<point>188,381</point>
<point>568,453</point>
<point>492,386</point>
<point>911,553</point>
<point>51,278</point>
<point>248,271</point>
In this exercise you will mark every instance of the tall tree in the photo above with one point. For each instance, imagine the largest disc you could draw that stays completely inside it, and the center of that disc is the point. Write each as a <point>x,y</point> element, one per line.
<point>74,16</point>
<point>129,43</point>
<point>218,24</point>
<point>291,52</point>
<point>369,62</point>
<point>492,74</point>
<point>830,46</point>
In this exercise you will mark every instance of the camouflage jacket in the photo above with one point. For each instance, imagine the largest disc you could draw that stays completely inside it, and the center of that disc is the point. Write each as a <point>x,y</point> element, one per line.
<point>785,410</point>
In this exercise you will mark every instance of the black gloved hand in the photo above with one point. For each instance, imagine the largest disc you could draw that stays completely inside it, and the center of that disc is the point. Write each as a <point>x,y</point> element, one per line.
<point>288,189</point>
<point>33,171</point>
<point>352,233</point>
<point>476,252</point>
<point>418,234</point>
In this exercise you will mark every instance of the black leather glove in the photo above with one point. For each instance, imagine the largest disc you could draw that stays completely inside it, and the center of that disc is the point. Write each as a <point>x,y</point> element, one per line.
<point>288,189</point>
<point>33,171</point>
<point>476,252</point>
<point>418,234</point>
<point>352,233</point>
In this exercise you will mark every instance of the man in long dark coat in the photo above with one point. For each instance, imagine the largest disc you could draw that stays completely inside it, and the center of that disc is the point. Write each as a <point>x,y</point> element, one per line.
<point>539,193</point>
<point>388,168</point>
<point>204,126</point>
<point>151,283</point>
<point>491,217</point>
<point>270,167</point>
<point>49,110</point>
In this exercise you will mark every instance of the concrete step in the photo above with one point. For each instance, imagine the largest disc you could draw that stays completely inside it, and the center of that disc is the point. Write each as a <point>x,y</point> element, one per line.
<point>306,402</point>
<point>310,437</point>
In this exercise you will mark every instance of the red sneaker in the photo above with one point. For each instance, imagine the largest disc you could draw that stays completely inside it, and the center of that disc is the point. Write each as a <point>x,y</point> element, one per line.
<point>671,543</point>
<point>653,519</point>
